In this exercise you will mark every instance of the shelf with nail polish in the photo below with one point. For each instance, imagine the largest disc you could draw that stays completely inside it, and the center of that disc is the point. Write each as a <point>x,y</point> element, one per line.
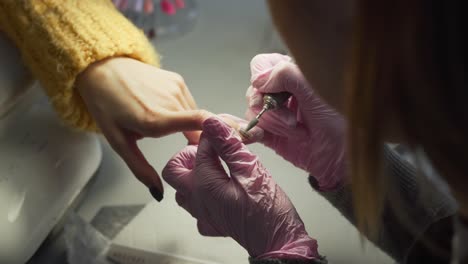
<point>160,19</point>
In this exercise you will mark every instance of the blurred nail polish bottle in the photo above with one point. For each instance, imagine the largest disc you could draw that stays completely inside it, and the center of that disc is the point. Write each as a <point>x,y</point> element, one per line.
<point>160,19</point>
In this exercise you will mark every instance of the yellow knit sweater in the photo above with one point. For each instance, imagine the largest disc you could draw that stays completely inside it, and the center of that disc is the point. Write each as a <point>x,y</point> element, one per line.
<point>58,39</point>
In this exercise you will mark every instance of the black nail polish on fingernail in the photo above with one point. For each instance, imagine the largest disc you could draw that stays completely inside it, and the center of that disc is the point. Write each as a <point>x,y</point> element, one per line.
<point>156,193</point>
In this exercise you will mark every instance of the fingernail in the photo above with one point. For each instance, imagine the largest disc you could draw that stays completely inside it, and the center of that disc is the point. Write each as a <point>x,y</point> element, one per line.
<point>245,136</point>
<point>156,193</point>
<point>252,136</point>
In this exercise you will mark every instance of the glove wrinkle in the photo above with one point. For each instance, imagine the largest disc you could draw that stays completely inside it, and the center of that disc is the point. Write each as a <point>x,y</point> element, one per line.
<point>248,206</point>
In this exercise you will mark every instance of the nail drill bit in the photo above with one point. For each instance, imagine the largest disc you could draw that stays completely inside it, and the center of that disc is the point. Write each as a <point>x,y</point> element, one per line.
<point>270,101</point>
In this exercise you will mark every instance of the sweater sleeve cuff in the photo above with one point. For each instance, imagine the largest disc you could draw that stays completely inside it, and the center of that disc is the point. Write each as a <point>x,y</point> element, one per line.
<point>59,39</point>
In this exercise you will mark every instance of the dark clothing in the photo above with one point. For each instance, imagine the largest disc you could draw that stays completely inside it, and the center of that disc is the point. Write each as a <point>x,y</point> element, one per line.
<point>417,222</point>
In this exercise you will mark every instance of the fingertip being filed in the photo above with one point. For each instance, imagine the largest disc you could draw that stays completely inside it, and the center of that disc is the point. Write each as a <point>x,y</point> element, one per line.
<point>239,125</point>
<point>251,136</point>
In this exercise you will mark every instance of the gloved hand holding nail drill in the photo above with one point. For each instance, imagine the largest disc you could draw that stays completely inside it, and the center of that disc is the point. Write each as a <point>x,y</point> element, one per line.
<point>247,205</point>
<point>306,132</point>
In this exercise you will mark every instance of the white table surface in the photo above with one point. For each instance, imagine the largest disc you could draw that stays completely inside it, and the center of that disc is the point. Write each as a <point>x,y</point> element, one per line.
<point>214,60</point>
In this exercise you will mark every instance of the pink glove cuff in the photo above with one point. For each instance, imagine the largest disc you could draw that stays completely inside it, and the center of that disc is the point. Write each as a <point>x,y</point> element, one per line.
<point>304,248</point>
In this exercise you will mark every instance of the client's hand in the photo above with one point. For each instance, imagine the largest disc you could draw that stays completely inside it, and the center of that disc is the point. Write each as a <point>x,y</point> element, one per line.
<point>130,100</point>
<point>246,205</point>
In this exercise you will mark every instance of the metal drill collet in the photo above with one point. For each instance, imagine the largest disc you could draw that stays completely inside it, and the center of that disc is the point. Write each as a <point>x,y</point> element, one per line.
<point>270,101</point>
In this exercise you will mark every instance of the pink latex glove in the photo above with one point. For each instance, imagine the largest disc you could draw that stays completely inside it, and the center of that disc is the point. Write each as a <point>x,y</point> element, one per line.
<point>306,132</point>
<point>246,205</point>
